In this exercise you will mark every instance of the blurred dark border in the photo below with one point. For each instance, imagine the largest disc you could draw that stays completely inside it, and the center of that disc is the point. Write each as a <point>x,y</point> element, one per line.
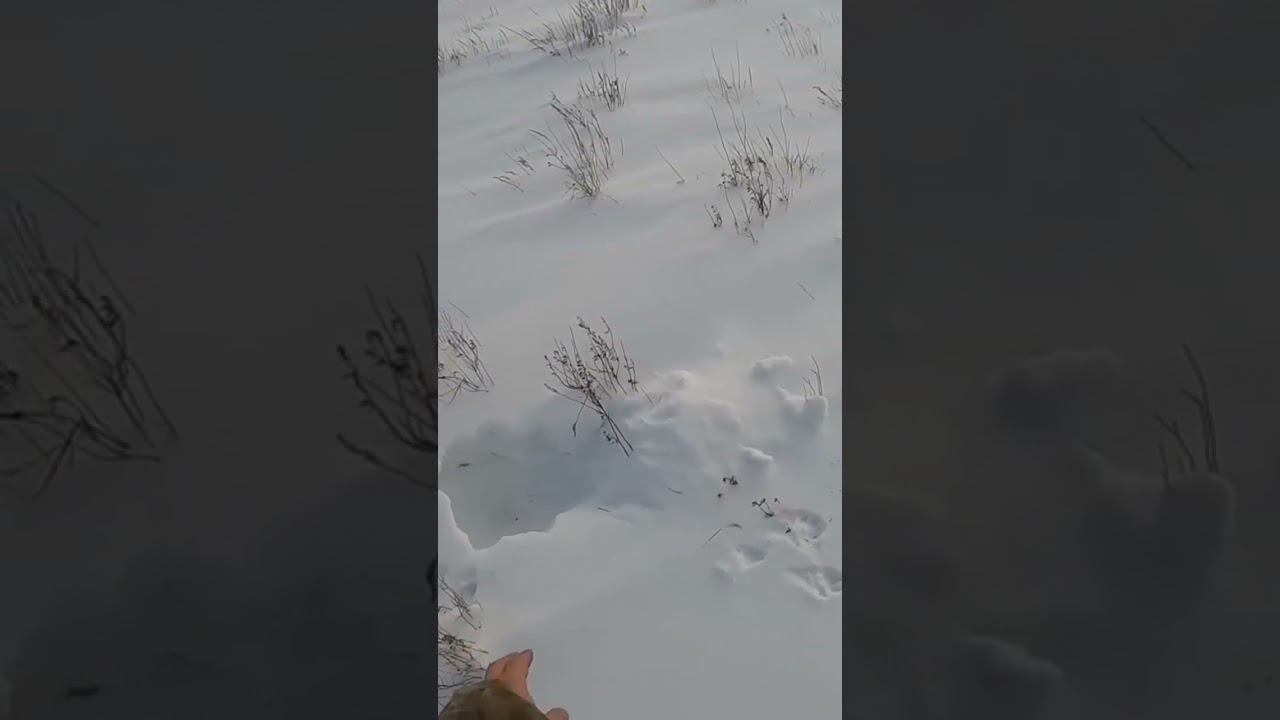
<point>175,122</point>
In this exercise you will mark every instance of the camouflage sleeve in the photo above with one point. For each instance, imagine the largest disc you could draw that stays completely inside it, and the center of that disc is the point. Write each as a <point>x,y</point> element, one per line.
<point>489,701</point>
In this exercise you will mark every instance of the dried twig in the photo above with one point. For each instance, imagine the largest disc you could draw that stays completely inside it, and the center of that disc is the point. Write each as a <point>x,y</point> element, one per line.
<point>1166,143</point>
<point>668,162</point>
<point>1187,461</point>
<point>813,388</point>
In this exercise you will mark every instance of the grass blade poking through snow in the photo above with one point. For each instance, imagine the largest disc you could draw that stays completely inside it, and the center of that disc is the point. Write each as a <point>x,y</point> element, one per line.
<point>604,86</point>
<point>605,372</point>
<point>1208,428</point>
<point>832,96</point>
<point>733,87</point>
<point>398,391</point>
<point>396,388</point>
<point>460,366</point>
<point>458,659</point>
<point>589,23</point>
<point>760,167</point>
<point>73,322</point>
<point>798,40</point>
<point>584,154</point>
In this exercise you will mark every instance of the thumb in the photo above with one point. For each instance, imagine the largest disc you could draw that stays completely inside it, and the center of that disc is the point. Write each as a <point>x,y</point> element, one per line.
<point>557,714</point>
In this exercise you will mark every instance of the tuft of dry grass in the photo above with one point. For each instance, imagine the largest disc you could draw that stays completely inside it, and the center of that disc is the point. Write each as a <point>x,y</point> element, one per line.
<point>584,153</point>
<point>392,383</point>
<point>798,40</point>
<point>1187,457</point>
<point>523,168</point>
<point>813,386</point>
<point>731,86</point>
<point>592,378</point>
<point>832,96</point>
<point>460,366</point>
<point>760,168</point>
<point>458,659</point>
<point>586,24</point>
<point>72,387</point>
<point>472,44</point>
<point>605,86</point>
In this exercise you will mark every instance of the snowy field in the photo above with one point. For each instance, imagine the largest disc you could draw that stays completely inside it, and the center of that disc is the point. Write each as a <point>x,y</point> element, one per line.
<point>654,583</point>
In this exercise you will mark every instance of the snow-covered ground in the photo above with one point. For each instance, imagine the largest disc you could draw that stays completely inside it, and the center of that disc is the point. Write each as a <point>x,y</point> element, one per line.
<point>655,584</point>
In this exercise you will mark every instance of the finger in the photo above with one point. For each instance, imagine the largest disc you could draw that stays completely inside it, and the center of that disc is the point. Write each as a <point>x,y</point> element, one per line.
<point>557,714</point>
<point>516,674</point>
<point>498,667</point>
<point>521,662</point>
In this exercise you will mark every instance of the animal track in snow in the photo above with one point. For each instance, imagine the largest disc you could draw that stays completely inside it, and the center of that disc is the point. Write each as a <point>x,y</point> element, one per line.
<point>819,581</point>
<point>740,559</point>
<point>802,527</point>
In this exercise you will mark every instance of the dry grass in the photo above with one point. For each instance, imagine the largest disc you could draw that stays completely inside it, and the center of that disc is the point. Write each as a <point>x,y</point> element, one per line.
<point>70,386</point>
<point>1186,459</point>
<point>798,40</point>
<point>523,168</point>
<point>458,353</point>
<point>730,84</point>
<point>813,386</point>
<point>762,169</point>
<point>591,379</point>
<point>391,381</point>
<point>582,150</point>
<point>586,24</point>
<point>832,96</point>
<point>458,659</point>
<point>605,86</point>
<point>473,44</point>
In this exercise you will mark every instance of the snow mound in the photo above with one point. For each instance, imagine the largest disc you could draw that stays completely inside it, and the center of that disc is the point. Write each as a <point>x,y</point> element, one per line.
<point>771,370</point>
<point>669,552</point>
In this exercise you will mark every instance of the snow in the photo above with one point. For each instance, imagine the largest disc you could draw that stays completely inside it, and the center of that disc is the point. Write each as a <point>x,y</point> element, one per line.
<point>702,575</point>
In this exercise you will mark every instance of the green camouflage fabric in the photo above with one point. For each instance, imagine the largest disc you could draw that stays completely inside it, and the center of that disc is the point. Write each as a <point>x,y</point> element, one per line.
<point>489,701</point>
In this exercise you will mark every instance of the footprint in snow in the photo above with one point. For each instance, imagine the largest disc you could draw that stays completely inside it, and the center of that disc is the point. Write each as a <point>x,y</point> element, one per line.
<point>802,527</point>
<point>739,560</point>
<point>819,581</point>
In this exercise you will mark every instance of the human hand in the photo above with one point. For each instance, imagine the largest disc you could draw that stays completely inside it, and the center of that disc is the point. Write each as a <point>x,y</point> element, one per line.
<point>512,672</point>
